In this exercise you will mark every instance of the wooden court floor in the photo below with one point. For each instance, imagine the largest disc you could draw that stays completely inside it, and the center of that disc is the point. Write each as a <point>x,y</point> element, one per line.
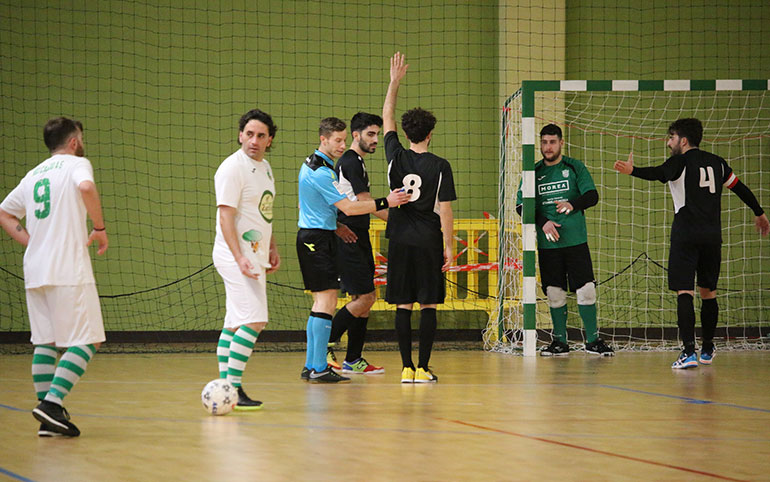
<point>490,417</point>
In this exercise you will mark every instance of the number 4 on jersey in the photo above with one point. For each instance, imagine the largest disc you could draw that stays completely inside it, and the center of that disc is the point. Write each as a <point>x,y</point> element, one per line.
<point>707,179</point>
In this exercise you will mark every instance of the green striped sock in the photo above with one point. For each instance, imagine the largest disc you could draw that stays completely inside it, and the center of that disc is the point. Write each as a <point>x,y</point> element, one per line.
<point>223,351</point>
<point>43,368</point>
<point>71,367</point>
<point>240,351</point>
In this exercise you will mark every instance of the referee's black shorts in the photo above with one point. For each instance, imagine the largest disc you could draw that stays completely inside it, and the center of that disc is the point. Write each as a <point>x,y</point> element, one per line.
<point>686,259</point>
<point>317,254</point>
<point>356,263</point>
<point>568,267</point>
<point>414,274</point>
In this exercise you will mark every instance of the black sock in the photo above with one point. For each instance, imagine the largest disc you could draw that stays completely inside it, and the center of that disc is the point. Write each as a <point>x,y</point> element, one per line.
<point>427,334</point>
<point>686,321</point>
<point>340,323</point>
<point>709,314</point>
<point>356,336</point>
<point>404,333</point>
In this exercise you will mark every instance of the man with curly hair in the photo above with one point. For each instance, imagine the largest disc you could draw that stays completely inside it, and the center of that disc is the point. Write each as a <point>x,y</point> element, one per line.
<point>420,232</point>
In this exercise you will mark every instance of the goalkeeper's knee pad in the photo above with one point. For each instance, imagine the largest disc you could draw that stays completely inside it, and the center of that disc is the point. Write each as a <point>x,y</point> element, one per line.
<point>587,294</point>
<point>557,297</point>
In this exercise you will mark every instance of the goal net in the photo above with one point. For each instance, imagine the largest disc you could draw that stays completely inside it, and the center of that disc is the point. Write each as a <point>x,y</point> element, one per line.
<point>628,231</point>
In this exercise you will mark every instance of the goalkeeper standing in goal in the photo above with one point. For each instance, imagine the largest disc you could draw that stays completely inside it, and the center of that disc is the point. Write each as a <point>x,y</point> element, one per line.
<point>564,189</point>
<point>695,178</point>
<point>62,300</point>
<point>244,247</point>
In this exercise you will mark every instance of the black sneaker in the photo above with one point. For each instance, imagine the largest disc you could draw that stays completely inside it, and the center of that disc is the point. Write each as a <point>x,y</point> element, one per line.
<point>246,404</point>
<point>556,348</point>
<point>305,375</point>
<point>55,418</point>
<point>45,431</point>
<point>327,376</point>
<point>598,347</point>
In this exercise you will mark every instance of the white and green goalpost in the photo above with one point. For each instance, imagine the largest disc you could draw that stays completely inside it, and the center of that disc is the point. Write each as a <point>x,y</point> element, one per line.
<point>628,230</point>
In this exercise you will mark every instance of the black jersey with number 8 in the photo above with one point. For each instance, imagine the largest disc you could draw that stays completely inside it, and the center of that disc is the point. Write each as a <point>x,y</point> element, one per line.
<point>428,179</point>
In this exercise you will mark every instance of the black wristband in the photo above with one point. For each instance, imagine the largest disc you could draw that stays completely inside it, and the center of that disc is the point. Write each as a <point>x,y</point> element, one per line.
<point>104,228</point>
<point>381,203</point>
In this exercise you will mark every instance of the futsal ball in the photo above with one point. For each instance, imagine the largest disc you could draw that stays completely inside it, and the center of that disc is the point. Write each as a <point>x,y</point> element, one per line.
<point>219,397</point>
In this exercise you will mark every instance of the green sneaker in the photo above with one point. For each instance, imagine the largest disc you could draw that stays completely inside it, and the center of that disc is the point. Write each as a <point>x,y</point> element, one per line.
<point>331,359</point>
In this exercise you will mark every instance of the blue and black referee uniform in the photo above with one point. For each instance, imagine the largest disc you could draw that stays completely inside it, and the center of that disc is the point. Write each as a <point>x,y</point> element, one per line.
<point>316,246</point>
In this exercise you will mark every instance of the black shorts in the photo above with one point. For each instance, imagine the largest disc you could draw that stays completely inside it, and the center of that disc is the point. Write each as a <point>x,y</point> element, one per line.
<point>414,274</point>
<point>356,264</point>
<point>317,254</point>
<point>686,259</point>
<point>566,267</point>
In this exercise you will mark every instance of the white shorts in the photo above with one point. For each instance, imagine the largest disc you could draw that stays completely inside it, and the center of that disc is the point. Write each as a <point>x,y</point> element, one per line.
<point>65,315</point>
<point>245,298</point>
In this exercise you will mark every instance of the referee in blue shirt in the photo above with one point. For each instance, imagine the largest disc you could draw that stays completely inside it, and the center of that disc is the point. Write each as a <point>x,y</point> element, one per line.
<point>319,199</point>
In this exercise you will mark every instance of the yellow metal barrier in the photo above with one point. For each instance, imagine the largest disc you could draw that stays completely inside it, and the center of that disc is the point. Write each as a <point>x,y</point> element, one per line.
<point>477,288</point>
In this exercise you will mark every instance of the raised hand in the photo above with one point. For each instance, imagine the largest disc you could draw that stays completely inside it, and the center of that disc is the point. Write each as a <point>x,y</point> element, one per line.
<point>397,67</point>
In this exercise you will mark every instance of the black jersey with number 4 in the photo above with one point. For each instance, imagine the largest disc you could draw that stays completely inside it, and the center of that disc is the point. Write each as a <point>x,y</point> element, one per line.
<point>428,178</point>
<point>695,179</point>
<point>353,180</point>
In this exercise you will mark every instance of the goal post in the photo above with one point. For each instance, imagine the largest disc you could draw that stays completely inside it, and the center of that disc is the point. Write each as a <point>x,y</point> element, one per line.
<point>628,230</point>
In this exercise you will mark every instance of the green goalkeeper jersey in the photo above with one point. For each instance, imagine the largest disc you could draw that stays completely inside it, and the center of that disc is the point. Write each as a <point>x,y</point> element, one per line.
<point>565,181</point>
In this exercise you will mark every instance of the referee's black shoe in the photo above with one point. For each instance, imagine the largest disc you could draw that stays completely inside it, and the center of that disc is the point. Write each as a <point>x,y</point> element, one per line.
<point>245,404</point>
<point>55,418</point>
<point>556,348</point>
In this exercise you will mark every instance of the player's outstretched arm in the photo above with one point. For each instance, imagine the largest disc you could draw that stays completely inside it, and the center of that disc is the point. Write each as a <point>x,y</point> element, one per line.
<point>397,71</point>
<point>663,173</point>
<point>12,225</point>
<point>625,167</point>
<point>366,196</point>
<point>396,198</point>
